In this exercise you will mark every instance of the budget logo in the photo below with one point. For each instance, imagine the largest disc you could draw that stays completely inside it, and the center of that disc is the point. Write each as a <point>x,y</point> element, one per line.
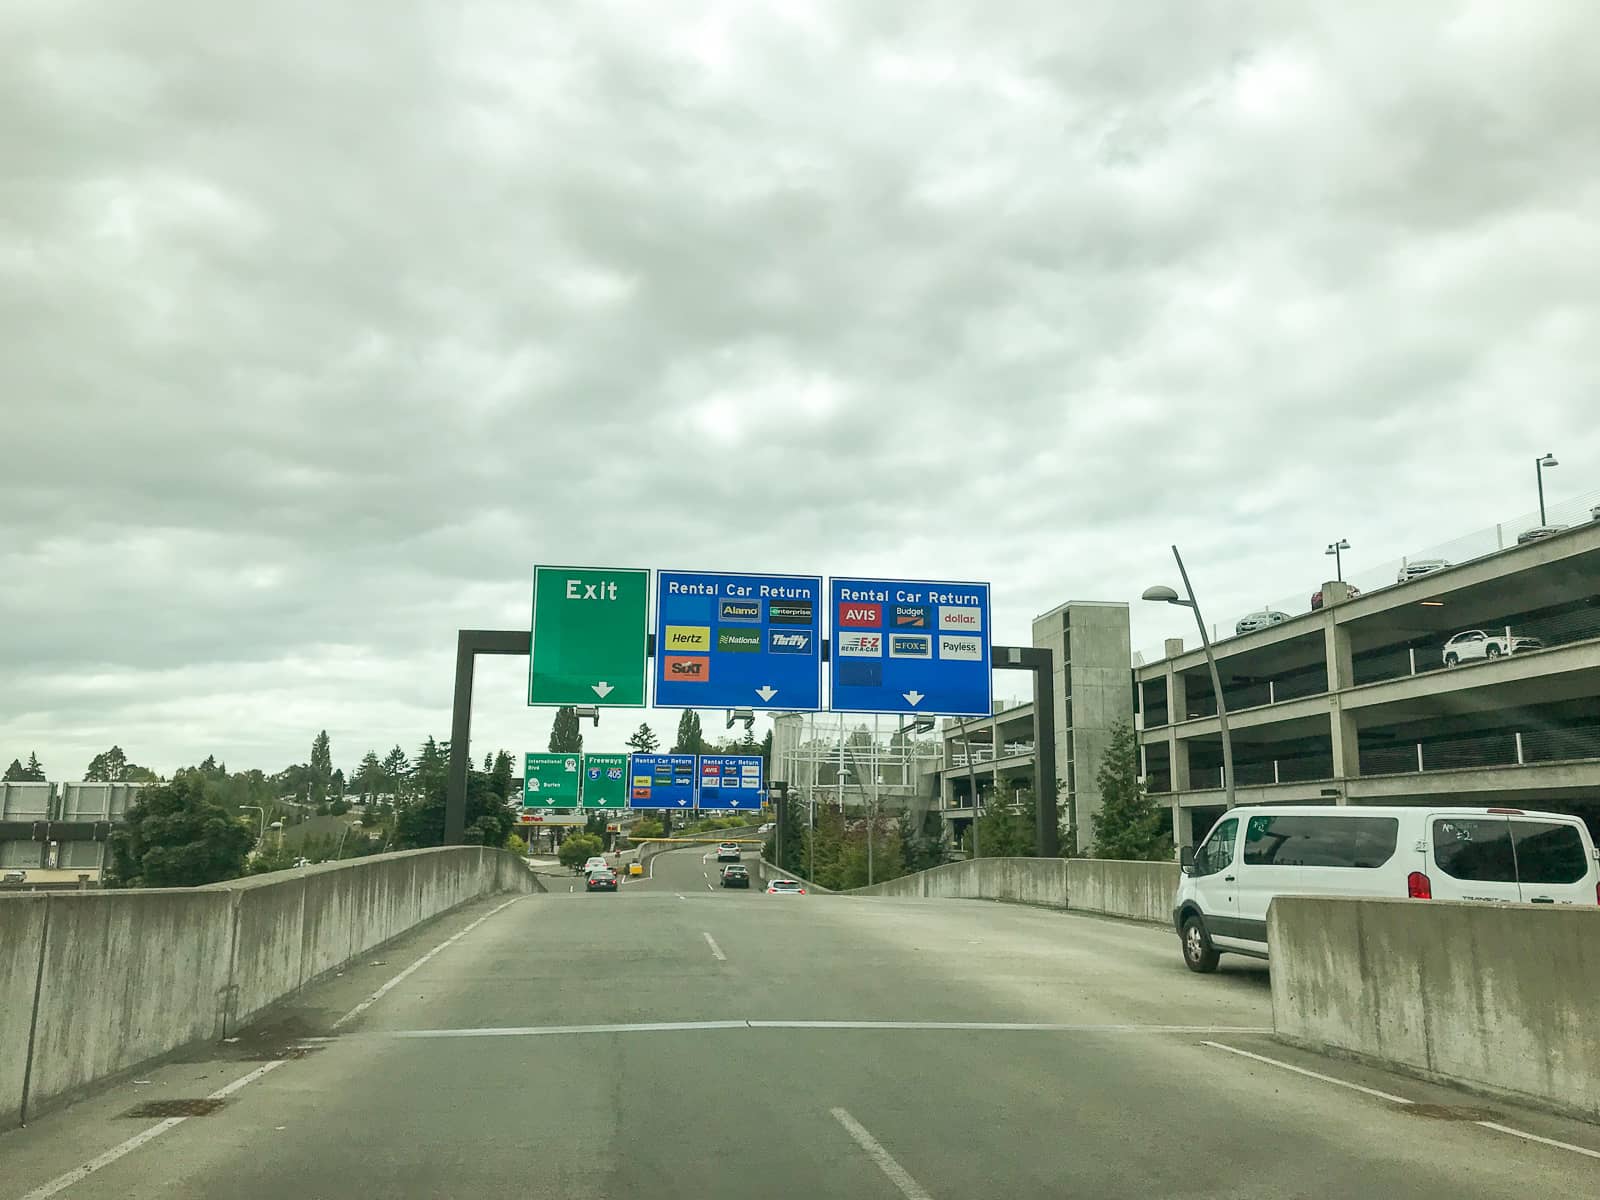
<point>796,612</point>
<point>861,645</point>
<point>854,615</point>
<point>969,619</point>
<point>784,641</point>
<point>912,616</point>
<point>960,649</point>
<point>686,669</point>
<point>739,641</point>
<point>910,645</point>
<point>739,610</point>
<point>689,637</point>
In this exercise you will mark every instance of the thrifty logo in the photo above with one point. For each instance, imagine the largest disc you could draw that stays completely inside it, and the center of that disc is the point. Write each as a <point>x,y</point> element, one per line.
<point>689,637</point>
<point>688,670</point>
<point>910,645</point>
<point>739,641</point>
<point>739,610</point>
<point>785,641</point>
<point>861,645</point>
<point>860,616</point>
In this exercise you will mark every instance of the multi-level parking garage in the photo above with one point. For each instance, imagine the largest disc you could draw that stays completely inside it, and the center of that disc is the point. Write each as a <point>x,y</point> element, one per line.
<point>1368,700</point>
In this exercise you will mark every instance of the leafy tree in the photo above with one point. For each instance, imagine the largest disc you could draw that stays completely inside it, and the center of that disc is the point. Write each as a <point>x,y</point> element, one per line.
<point>137,774</point>
<point>576,850</point>
<point>920,845</point>
<point>1130,824</point>
<point>644,740</point>
<point>108,766</point>
<point>748,743</point>
<point>691,739</point>
<point>369,775</point>
<point>649,827</point>
<point>516,845</point>
<point>500,774</point>
<point>321,766</point>
<point>273,858</point>
<point>336,782</point>
<point>371,815</point>
<point>564,735</point>
<point>766,756</point>
<point>338,806</point>
<point>15,773</point>
<point>488,821</point>
<point>1007,830</point>
<point>174,836</point>
<point>396,770</point>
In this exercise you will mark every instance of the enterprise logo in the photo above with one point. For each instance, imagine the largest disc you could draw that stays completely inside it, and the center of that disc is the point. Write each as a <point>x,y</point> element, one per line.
<point>739,610</point>
<point>861,645</point>
<point>796,612</point>
<point>789,641</point>
<point>910,645</point>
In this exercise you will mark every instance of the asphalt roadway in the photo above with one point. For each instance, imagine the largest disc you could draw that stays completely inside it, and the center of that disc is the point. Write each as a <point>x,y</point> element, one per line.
<point>678,1040</point>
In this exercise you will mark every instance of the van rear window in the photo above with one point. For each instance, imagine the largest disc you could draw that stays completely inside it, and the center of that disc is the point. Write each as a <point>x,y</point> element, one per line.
<point>1299,841</point>
<point>1548,852</point>
<point>1475,848</point>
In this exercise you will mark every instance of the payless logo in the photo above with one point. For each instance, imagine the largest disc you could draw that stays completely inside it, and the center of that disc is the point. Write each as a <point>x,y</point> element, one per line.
<point>784,641</point>
<point>969,619</point>
<point>911,616</point>
<point>796,612</point>
<point>853,615</point>
<point>682,668</point>
<point>861,645</point>
<point>739,641</point>
<point>739,610</point>
<point>689,637</point>
<point>910,645</point>
<point>960,649</point>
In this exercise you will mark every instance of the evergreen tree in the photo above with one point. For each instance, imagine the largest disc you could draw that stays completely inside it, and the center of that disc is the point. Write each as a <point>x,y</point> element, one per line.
<point>432,766</point>
<point>564,735</point>
<point>321,767</point>
<point>34,771</point>
<point>691,739</point>
<point>369,775</point>
<point>15,773</point>
<point>644,740</point>
<point>109,766</point>
<point>1130,824</point>
<point>396,771</point>
<point>500,774</point>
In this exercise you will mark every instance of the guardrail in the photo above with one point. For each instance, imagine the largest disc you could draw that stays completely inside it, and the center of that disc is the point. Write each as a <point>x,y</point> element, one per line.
<point>1140,891</point>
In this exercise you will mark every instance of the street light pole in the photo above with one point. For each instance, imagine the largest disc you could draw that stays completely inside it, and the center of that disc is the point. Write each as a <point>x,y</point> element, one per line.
<point>972,783</point>
<point>1539,464</point>
<point>1334,548</point>
<point>262,836</point>
<point>1168,596</point>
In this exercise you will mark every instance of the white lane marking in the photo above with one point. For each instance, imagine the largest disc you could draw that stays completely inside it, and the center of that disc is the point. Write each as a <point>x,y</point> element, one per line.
<point>401,978</point>
<point>1344,1083</point>
<point>898,1175</point>
<point>549,1030</point>
<point>715,949</point>
<point>1534,1137</point>
<point>680,895</point>
<point>708,887</point>
<point>62,1182</point>
<point>972,1026</point>
<point>1356,1087</point>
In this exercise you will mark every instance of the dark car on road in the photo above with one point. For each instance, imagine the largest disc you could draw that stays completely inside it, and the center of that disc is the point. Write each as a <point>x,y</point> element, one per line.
<point>601,881</point>
<point>736,876</point>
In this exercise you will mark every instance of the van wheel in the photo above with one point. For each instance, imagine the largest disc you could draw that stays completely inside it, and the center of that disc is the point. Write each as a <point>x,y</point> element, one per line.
<point>1450,660</point>
<point>1198,952</point>
<point>1493,651</point>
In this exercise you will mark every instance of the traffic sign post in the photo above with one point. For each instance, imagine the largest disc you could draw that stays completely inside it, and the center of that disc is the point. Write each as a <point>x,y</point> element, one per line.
<point>730,781</point>
<point>738,641</point>
<point>589,636</point>
<point>910,647</point>
<point>550,780</point>
<point>605,781</point>
<point>661,780</point>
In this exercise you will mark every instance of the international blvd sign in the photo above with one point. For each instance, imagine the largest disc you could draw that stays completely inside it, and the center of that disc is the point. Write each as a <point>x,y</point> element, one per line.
<point>589,636</point>
<point>550,780</point>
<point>661,781</point>
<point>738,641</point>
<point>730,781</point>
<point>605,781</point>
<point>910,647</point>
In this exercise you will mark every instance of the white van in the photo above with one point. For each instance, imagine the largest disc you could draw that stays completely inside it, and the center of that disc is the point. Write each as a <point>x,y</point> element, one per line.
<point>1253,854</point>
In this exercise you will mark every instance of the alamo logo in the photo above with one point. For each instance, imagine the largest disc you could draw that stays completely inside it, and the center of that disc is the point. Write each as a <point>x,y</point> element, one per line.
<point>739,610</point>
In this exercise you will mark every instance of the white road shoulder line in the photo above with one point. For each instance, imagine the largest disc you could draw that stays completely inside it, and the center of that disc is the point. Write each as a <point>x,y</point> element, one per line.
<point>716,950</point>
<point>401,978</point>
<point>1356,1087</point>
<point>62,1182</point>
<point>898,1175</point>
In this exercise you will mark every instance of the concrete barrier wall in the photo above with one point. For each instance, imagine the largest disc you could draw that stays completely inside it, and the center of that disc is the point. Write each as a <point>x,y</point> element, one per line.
<point>1142,891</point>
<point>1496,997</point>
<point>130,976</point>
<point>21,939</point>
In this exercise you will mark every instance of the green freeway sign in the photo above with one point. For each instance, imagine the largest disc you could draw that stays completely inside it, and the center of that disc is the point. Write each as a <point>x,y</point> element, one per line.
<point>605,781</point>
<point>551,780</point>
<point>589,630</point>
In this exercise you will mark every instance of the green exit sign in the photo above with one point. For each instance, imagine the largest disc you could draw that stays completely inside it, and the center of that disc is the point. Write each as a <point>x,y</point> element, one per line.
<point>551,780</point>
<point>589,630</point>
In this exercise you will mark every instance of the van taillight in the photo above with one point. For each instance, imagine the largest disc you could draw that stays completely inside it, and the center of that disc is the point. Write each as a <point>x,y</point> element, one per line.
<point>1418,887</point>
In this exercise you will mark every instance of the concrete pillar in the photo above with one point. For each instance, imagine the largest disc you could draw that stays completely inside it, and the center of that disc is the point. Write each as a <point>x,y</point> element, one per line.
<point>1178,755</point>
<point>1346,745</point>
<point>1177,697</point>
<point>1177,825</point>
<point>1336,646</point>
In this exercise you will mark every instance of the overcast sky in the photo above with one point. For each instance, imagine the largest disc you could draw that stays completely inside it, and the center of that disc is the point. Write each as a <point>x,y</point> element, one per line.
<point>321,324</point>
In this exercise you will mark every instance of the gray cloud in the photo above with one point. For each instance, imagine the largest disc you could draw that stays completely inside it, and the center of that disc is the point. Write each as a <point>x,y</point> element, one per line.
<point>320,327</point>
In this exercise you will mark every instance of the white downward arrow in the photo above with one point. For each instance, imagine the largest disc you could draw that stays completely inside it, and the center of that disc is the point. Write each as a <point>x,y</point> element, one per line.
<point>681,803</point>
<point>601,689</point>
<point>767,691</point>
<point>913,697</point>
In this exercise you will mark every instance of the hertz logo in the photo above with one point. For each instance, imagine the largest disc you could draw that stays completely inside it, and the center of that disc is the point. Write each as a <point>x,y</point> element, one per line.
<point>689,637</point>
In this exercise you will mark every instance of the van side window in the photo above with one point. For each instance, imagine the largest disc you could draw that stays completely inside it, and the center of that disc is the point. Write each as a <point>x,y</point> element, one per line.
<point>1299,841</point>
<point>1217,853</point>
<point>1475,848</point>
<point>1548,852</point>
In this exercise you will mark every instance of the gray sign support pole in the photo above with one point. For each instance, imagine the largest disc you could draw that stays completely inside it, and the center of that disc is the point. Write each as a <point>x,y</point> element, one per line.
<point>472,642</point>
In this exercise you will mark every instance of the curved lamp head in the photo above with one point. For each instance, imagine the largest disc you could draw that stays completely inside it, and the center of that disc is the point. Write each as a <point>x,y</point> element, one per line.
<point>1549,460</point>
<point>1161,594</point>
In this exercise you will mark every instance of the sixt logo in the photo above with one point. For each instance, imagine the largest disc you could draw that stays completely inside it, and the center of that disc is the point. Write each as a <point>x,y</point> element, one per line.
<point>910,645</point>
<point>784,641</point>
<point>860,616</point>
<point>739,610</point>
<point>689,670</point>
<point>912,616</point>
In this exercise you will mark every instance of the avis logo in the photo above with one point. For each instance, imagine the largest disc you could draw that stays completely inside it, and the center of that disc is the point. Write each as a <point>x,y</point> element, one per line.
<point>860,616</point>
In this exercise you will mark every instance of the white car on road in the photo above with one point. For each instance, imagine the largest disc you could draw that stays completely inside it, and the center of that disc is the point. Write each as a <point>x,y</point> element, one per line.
<point>785,887</point>
<point>1475,643</point>
<point>1251,622</point>
<point>728,852</point>
<point>1419,567</point>
<point>596,864</point>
